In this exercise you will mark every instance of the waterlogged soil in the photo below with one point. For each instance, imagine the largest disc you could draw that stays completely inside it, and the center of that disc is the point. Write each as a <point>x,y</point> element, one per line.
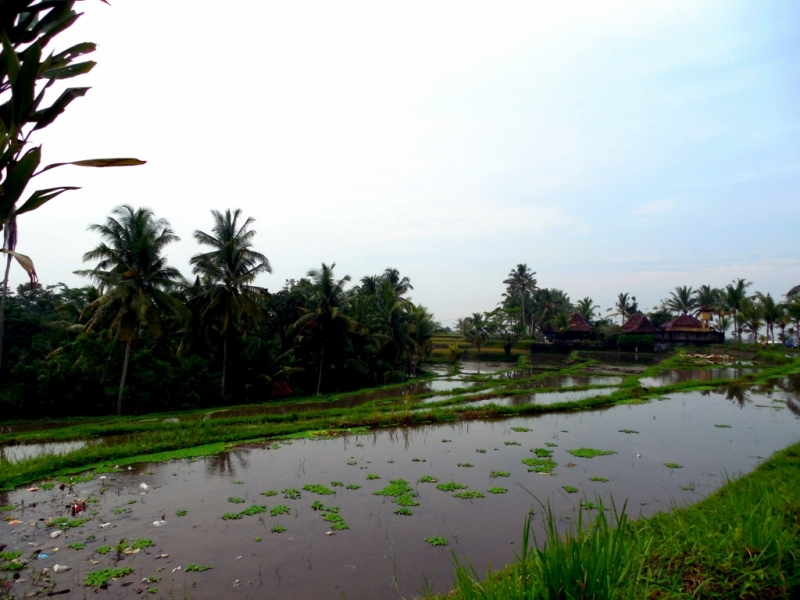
<point>711,435</point>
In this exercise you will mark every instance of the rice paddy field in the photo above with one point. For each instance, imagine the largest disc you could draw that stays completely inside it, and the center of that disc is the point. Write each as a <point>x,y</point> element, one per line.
<point>371,495</point>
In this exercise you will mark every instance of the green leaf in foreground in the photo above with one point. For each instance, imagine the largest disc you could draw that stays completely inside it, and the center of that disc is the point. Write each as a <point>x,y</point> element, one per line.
<point>590,452</point>
<point>103,576</point>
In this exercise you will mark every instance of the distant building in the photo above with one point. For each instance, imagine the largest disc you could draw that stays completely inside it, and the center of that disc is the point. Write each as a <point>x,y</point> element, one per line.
<point>577,329</point>
<point>687,331</point>
<point>639,324</point>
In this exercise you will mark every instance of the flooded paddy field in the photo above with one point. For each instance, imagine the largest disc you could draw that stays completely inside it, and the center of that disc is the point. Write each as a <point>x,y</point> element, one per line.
<point>304,520</point>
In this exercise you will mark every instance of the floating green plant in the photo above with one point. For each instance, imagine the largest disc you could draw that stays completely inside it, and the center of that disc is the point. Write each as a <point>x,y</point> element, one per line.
<point>540,465</point>
<point>446,441</point>
<point>512,443</point>
<point>590,452</point>
<point>258,538</point>
<point>278,529</point>
<point>570,489</point>
<point>143,543</point>
<point>520,429</point>
<point>352,463</point>
<point>340,526</point>
<point>198,568</point>
<point>291,494</point>
<point>551,445</point>
<point>14,554</point>
<point>235,500</point>
<point>406,500</point>
<point>119,511</point>
<point>6,508</point>
<point>542,452</point>
<point>373,476</point>
<point>232,516</point>
<point>332,517</point>
<point>353,486</point>
<point>103,549</point>
<point>465,465</point>
<point>687,488</point>
<point>269,493</point>
<point>723,426</point>
<point>596,478</point>
<point>317,505</point>
<point>416,460</point>
<point>280,510</point>
<point>74,546</point>
<point>451,487</point>
<point>396,487</point>
<point>499,474</point>
<point>256,509</point>
<point>318,489</point>
<point>403,511</point>
<point>48,485</point>
<point>337,484</point>
<point>497,490</point>
<point>480,450</point>
<point>103,576</point>
<point>427,479</point>
<point>469,495</point>
<point>180,513</point>
<point>238,482</point>
<point>436,541</point>
<point>627,431</point>
<point>673,465</point>
<point>131,501</point>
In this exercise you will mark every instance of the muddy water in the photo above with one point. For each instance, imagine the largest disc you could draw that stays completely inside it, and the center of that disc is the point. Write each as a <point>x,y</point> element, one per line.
<point>670,377</point>
<point>382,553</point>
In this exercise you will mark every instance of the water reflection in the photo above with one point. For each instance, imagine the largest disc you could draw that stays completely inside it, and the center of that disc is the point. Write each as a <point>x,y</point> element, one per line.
<point>672,377</point>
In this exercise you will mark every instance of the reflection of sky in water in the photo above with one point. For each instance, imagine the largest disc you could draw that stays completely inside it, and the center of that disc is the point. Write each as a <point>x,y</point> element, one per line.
<point>670,377</point>
<point>545,398</point>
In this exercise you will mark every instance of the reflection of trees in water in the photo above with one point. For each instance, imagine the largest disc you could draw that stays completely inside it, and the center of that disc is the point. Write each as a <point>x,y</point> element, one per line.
<point>223,462</point>
<point>790,384</point>
<point>737,394</point>
<point>793,405</point>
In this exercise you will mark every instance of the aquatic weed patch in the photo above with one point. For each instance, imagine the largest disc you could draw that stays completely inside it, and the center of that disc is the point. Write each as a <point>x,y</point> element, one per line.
<point>596,478</point>
<point>469,495</point>
<point>142,543</point>
<point>520,429</point>
<point>403,511</point>
<point>428,479</point>
<point>235,500</point>
<point>673,465</point>
<point>278,529</point>
<point>232,516</point>
<point>353,486</point>
<point>551,445</point>
<point>255,509</point>
<point>181,513</point>
<point>451,487</point>
<point>436,541</point>
<point>269,493</point>
<point>103,576</point>
<point>497,490</point>
<point>540,465</point>
<point>570,489</point>
<point>721,426</point>
<point>291,494</point>
<point>628,431</point>
<point>495,474</point>
<point>590,452</point>
<point>542,452</point>
<point>318,489</point>
<point>280,510</point>
<point>465,465</point>
<point>396,487</point>
<point>372,476</point>
<point>197,568</point>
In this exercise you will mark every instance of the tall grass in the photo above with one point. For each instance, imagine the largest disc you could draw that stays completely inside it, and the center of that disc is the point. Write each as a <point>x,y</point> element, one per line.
<point>596,560</point>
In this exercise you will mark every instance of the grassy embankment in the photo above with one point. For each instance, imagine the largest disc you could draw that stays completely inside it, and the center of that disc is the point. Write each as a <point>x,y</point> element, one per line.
<point>742,542</point>
<point>124,438</point>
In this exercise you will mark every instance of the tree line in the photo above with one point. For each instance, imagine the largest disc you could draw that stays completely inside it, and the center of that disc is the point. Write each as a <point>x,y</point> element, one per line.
<point>142,337</point>
<point>526,310</point>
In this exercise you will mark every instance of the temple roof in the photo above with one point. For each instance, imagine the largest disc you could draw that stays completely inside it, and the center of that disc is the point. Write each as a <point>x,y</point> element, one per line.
<point>638,323</point>
<point>577,323</point>
<point>683,322</point>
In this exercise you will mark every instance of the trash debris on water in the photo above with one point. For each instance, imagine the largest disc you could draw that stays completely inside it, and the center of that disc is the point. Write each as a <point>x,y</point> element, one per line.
<point>56,533</point>
<point>131,551</point>
<point>238,557</point>
<point>33,489</point>
<point>176,569</point>
<point>144,488</point>
<point>14,522</point>
<point>162,522</point>
<point>130,468</point>
<point>60,568</point>
<point>116,466</point>
<point>330,533</point>
<point>103,477</point>
<point>104,525</point>
<point>95,562</point>
<point>42,556</point>
<point>163,556</point>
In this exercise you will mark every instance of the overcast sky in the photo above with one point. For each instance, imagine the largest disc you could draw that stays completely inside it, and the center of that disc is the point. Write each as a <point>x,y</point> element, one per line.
<point>612,146</point>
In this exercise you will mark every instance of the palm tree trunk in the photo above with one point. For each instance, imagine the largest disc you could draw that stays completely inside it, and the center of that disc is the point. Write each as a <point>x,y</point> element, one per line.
<point>319,378</point>
<point>124,376</point>
<point>3,307</point>
<point>224,360</point>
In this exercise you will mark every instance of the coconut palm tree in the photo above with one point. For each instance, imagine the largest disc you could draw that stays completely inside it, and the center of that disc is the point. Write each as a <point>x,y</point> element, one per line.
<point>520,284</point>
<point>733,298</point>
<point>751,317</point>
<point>771,312</point>
<point>476,330</point>
<point>683,300</point>
<point>626,306</point>
<point>226,297</point>
<point>133,278</point>
<point>400,285</point>
<point>587,308</point>
<point>707,296</point>
<point>323,321</point>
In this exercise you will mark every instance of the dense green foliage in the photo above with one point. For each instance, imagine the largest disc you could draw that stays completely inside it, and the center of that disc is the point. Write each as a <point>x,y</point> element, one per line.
<point>177,344</point>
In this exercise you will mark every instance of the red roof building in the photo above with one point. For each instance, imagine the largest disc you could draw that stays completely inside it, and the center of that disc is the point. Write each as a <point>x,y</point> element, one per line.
<point>639,323</point>
<point>577,324</point>
<point>685,323</point>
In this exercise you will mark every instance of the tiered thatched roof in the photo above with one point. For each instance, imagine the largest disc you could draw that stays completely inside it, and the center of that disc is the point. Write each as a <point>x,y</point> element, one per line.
<point>638,324</point>
<point>684,323</point>
<point>577,324</point>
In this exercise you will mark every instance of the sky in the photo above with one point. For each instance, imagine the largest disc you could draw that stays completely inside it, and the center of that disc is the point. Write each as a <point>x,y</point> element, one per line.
<point>612,147</point>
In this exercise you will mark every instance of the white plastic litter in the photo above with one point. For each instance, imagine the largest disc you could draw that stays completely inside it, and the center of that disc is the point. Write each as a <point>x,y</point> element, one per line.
<point>144,488</point>
<point>104,525</point>
<point>56,533</point>
<point>60,568</point>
